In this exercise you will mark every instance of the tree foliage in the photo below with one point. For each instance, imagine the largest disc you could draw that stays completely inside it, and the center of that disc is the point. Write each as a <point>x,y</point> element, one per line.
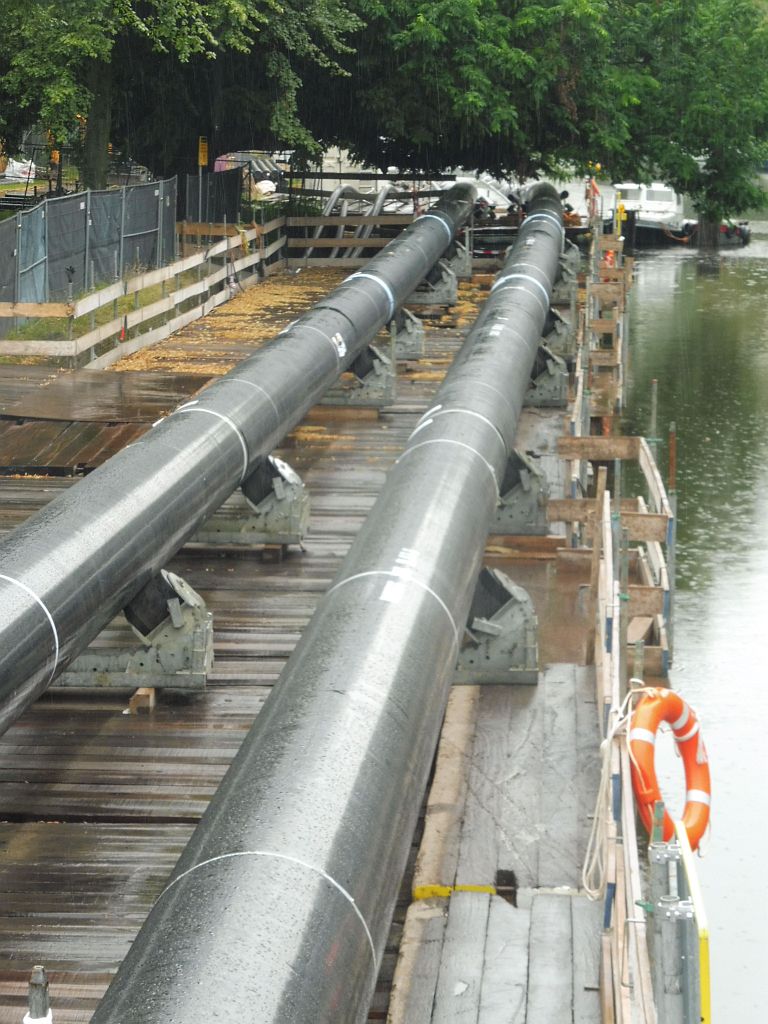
<point>700,117</point>
<point>482,83</point>
<point>57,60</point>
<point>670,89</point>
<point>48,46</point>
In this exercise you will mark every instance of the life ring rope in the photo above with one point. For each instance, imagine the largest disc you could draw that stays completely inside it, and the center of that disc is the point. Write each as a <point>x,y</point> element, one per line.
<point>656,707</point>
<point>594,871</point>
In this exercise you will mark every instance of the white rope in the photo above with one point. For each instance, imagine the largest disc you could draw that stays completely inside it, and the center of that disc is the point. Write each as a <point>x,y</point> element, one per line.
<point>593,873</point>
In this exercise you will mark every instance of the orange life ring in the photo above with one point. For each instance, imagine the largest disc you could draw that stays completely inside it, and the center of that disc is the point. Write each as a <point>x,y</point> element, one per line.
<point>653,708</point>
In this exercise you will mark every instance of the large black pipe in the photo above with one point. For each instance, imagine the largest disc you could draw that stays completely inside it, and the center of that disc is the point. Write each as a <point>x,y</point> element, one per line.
<point>279,907</point>
<point>69,569</point>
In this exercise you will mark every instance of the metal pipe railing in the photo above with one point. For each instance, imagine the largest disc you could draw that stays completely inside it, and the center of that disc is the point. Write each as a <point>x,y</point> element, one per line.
<point>69,569</point>
<point>279,907</point>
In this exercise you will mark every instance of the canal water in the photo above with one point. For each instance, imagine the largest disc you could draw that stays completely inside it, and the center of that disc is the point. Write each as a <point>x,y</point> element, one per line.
<point>699,325</point>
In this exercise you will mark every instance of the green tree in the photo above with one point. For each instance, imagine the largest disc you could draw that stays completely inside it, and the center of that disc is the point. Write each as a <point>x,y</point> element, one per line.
<point>484,83</point>
<point>700,116</point>
<point>61,60</point>
<point>672,89</point>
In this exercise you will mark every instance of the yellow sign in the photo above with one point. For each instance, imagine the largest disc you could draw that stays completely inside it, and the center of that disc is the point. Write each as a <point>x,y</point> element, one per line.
<point>202,151</point>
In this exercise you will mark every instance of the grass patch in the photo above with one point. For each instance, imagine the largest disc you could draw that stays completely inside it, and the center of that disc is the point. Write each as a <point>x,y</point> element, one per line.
<point>58,328</point>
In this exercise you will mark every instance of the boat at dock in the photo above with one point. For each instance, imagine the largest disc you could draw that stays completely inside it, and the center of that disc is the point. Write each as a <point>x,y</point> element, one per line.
<point>653,215</point>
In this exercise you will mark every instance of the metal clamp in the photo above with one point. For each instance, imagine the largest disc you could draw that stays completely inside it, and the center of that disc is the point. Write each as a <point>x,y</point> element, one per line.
<point>174,630</point>
<point>271,507</point>
<point>501,634</point>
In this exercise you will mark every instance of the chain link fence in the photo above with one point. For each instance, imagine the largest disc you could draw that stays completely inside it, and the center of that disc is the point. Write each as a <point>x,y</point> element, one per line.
<point>69,245</point>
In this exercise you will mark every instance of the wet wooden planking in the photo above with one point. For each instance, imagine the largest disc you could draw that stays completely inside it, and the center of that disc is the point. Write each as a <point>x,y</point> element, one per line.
<point>38,446</point>
<point>42,393</point>
<point>98,803</point>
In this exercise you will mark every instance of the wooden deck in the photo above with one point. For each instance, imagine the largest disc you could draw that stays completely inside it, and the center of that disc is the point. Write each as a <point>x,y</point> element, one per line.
<point>96,803</point>
<point>516,941</point>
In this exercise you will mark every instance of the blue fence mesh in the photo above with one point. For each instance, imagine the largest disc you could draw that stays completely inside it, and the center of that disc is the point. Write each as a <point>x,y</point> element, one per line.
<point>73,243</point>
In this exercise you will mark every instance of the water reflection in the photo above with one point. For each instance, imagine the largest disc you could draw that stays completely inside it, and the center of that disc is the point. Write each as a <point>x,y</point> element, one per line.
<point>700,328</point>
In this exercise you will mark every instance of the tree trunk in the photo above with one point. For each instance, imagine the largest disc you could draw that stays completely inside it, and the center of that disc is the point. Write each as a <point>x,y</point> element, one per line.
<point>96,145</point>
<point>709,232</point>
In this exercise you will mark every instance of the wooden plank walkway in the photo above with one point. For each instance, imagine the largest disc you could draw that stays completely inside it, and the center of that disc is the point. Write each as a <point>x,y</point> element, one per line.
<point>97,804</point>
<point>87,396</point>
<point>516,941</point>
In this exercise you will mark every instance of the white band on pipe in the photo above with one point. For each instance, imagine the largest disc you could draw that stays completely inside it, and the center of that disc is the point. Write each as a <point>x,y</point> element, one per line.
<point>523,277</point>
<point>381,284</point>
<point>291,860</point>
<point>191,407</point>
<point>479,384</point>
<point>546,216</point>
<point>533,266</point>
<point>686,736</point>
<point>433,216</point>
<point>681,720</point>
<point>465,412</point>
<point>697,796</point>
<point>459,444</point>
<point>483,384</point>
<point>643,735</point>
<point>250,383</point>
<point>520,288</point>
<point>336,342</point>
<point>403,578</point>
<point>48,616</point>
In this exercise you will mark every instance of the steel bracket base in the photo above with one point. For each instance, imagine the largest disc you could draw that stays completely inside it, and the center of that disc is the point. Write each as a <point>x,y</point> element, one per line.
<point>407,334</point>
<point>271,507</point>
<point>549,381</point>
<point>440,288</point>
<point>373,386</point>
<point>501,635</point>
<point>561,338</point>
<point>459,259</point>
<point>174,630</point>
<point>523,505</point>
<point>566,285</point>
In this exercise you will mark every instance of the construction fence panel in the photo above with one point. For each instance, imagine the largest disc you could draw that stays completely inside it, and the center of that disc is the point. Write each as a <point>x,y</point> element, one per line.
<point>9,262</point>
<point>33,256</point>
<point>71,244</point>
<point>67,226</point>
<point>168,191</point>
<point>142,226</point>
<point>8,258</point>
<point>105,214</point>
<point>214,198</point>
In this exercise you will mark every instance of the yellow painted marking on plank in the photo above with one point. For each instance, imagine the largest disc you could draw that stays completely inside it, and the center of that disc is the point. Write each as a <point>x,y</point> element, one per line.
<point>428,892</point>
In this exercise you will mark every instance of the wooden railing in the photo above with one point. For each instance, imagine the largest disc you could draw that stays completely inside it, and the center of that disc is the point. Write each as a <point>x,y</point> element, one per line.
<point>626,980</point>
<point>304,238</point>
<point>219,268</point>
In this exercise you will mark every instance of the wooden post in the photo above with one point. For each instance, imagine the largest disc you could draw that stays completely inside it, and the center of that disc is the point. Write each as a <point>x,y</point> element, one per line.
<point>142,700</point>
<point>594,572</point>
<point>623,610</point>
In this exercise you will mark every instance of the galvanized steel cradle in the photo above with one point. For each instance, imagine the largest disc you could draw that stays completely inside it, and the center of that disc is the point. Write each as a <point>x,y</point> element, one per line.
<point>279,907</point>
<point>70,568</point>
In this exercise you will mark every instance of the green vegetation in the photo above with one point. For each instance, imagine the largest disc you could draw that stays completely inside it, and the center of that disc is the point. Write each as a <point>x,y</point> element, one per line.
<point>60,328</point>
<point>671,89</point>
